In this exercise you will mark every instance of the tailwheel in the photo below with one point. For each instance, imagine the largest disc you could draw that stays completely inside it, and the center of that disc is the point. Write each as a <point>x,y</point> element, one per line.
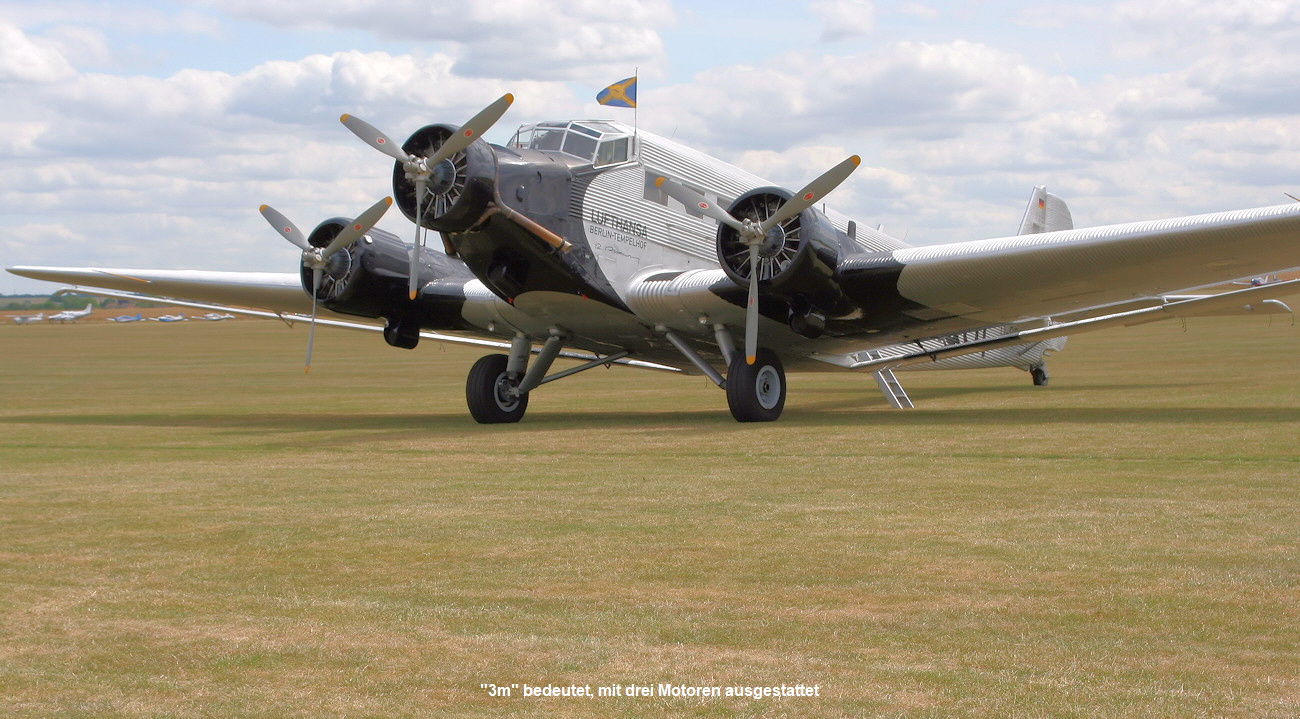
<point>756,392</point>
<point>489,391</point>
<point>1039,375</point>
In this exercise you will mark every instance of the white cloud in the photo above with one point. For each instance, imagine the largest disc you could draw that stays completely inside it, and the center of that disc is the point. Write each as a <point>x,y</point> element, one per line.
<point>530,39</point>
<point>843,19</point>
<point>111,154</point>
<point>25,59</point>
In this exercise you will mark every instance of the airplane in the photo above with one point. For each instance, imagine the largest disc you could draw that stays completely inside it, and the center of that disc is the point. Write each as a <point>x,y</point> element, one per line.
<point>596,241</point>
<point>214,317</point>
<point>126,318</point>
<point>72,315</point>
<point>168,318</point>
<point>29,319</point>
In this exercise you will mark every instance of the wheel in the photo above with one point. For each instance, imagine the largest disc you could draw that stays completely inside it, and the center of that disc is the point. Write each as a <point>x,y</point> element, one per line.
<point>756,393</point>
<point>1039,374</point>
<point>402,333</point>
<point>487,392</point>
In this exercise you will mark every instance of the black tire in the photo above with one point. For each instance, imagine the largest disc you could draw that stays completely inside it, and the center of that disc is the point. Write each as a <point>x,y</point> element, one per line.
<point>756,393</point>
<point>1039,374</point>
<point>485,392</point>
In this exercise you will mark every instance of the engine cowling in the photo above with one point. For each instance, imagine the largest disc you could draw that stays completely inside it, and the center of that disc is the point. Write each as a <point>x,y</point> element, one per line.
<point>459,188</point>
<point>366,278</point>
<point>797,259</point>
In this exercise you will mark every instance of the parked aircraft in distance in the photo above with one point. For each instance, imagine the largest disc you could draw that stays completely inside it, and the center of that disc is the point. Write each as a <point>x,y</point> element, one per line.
<point>126,318</point>
<point>72,315</point>
<point>214,317</point>
<point>592,240</point>
<point>168,318</point>
<point>29,319</point>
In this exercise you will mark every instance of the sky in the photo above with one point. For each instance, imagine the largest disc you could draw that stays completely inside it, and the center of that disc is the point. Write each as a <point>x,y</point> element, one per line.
<point>146,134</point>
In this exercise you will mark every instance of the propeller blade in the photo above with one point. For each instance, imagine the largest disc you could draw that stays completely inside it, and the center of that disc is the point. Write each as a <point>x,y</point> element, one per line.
<point>359,227</point>
<point>286,228</point>
<point>691,198</point>
<point>412,276</point>
<point>311,333</point>
<point>813,193</point>
<point>471,130</point>
<point>751,309</point>
<point>371,135</point>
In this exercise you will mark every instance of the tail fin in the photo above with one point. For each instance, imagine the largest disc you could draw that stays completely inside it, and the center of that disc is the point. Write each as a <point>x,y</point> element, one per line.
<point>1045,213</point>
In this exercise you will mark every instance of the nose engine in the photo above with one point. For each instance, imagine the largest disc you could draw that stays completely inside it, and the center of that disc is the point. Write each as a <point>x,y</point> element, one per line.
<point>458,188</point>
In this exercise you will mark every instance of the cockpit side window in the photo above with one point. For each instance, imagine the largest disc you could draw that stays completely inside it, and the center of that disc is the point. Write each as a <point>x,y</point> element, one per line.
<point>547,140</point>
<point>612,152</point>
<point>579,145</point>
<point>594,142</point>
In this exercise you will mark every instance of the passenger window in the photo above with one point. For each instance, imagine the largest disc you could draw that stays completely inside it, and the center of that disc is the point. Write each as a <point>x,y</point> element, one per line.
<point>652,193</point>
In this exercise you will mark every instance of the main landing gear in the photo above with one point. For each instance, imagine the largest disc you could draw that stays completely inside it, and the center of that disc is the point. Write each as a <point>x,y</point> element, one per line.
<point>492,393</point>
<point>756,392</point>
<point>498,385</point>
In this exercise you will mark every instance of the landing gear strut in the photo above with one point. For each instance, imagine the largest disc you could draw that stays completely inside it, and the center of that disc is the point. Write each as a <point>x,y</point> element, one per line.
<point>756,393</point>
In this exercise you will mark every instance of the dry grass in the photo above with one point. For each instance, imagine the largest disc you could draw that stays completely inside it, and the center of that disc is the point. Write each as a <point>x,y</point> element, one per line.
<point>191,527</point>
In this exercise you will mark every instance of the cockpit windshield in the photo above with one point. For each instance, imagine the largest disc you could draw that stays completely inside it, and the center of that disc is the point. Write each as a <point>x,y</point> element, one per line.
<point>600,143</point>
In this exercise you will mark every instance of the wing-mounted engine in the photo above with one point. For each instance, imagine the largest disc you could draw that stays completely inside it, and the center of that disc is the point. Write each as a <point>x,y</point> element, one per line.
<point>457,189</point>
<point>366,277</point>
<point>796,258</point>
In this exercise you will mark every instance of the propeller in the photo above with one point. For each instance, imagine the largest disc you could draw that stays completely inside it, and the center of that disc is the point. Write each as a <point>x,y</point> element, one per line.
<point>421,169</point>
<point>754,234</point>
<point>317,257</point>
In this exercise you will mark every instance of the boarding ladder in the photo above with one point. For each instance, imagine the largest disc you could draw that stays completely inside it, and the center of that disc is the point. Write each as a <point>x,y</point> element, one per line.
<point>890,386</point>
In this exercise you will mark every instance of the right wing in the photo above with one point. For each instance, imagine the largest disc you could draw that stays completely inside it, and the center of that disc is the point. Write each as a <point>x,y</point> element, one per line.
<point>274,291</point>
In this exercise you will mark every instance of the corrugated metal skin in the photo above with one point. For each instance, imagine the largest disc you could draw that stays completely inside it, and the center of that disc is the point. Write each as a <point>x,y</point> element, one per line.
<point>663,301</point>
<point>623,191</point>
<point>1010,278</point>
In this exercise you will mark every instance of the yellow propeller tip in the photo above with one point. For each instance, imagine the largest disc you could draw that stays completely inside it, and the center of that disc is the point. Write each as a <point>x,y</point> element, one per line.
<point>412,295</point>
<point>344,117</point>
<point>856,160</point>
<point>659,181</point>
<point>262,208</point>
<point>509,97</point>
<point>750,359</point>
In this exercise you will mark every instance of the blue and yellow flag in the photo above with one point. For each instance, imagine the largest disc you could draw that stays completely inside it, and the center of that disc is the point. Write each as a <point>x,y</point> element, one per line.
<point>620,94</point>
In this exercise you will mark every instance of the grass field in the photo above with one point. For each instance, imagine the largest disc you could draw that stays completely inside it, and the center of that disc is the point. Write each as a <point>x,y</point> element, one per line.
<point>189,526</point>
